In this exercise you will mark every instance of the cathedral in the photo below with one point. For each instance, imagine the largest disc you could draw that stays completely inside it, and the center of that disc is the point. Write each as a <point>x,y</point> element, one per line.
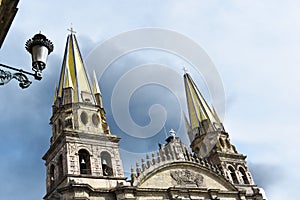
<point>83,161</point>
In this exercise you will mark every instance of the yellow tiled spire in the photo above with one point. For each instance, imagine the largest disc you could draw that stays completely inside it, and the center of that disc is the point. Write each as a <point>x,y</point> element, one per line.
<point>68,82</point>
<point>199,111</point>
<point>194,118</point>
<point>74,74</point>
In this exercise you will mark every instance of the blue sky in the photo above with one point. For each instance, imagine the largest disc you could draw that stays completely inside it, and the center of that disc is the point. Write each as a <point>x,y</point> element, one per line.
<point>254,46</point>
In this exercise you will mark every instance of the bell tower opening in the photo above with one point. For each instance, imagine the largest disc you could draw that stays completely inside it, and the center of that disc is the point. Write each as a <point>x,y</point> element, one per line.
<point>84,161</point>
<point>106,164</point>
<point>233,175</point>
<point>244,176</point>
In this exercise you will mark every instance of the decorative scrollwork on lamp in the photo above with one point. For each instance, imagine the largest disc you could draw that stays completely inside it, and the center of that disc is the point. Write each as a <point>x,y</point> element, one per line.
<point>6,76</point>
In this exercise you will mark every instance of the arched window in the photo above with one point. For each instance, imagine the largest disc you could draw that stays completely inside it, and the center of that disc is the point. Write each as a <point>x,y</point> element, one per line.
<point>60,167</point>
<point>51,175</point>
<point>106,164</point>
<point>233,175</point>
<point>84,161</point>
<point>244,176</point>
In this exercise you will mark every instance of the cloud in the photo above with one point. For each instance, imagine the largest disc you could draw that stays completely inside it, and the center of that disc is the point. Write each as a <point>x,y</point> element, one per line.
<point>254,45</point>
<point>266,175</point>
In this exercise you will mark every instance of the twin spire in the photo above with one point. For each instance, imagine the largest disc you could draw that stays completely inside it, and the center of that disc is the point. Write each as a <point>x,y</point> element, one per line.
<point>74,75</point>
<point>74,86</point>
<point>203,119</point>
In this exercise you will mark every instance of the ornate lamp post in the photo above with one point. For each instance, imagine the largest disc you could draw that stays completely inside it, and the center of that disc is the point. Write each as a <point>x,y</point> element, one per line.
<point>39,47</point>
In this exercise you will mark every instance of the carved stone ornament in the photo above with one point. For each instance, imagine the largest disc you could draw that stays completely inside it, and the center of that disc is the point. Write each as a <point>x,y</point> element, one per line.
<point>187,177</point>
<point>72,148</point>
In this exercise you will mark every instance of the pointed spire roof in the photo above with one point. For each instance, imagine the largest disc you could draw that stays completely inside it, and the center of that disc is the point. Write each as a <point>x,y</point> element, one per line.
<point>197,106</point>
<point>73,72</point>
<point>96,88</point>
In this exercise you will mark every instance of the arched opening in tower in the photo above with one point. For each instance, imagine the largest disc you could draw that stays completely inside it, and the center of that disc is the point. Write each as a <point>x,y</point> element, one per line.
<point>244,176</point>
<point>84,161</point>
<point>106,164</point>
<point>233,175</point>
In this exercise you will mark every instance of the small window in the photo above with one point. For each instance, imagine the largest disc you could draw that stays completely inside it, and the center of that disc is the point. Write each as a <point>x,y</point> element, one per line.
<point>84,118</point>
<point>84,161</point>
<point>95,119</point>
<point>233,175</point>
<point>244,176</point>
<point>51,175</point>
<point>106,164</point>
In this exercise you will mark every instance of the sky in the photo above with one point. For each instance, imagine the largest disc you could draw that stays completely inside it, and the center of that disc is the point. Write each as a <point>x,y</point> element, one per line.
<point>253,45</point>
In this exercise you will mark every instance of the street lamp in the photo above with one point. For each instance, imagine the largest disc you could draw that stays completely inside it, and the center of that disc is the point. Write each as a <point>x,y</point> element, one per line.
<point>39,47</point>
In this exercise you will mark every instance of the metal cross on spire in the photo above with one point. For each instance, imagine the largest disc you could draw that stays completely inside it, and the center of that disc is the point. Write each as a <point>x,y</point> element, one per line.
<point>71,30</point>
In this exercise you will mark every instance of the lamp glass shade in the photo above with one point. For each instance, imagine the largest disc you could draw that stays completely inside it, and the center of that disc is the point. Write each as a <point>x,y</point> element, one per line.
<point>39,55</point>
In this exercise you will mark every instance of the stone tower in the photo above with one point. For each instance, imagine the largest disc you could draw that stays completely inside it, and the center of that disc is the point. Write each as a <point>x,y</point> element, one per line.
<point>83,156</point>
<point>210,141</point>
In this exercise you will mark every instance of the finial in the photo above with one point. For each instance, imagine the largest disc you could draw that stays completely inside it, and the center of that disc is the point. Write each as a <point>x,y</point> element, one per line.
<point>153,158</point>
<point>185,70</point>
<point>173,133</point>
<point>71,29</point>
<point>138,169</point>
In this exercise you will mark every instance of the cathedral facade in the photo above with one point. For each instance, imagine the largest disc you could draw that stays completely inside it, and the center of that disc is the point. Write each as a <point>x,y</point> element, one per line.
<point>84,163</point>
